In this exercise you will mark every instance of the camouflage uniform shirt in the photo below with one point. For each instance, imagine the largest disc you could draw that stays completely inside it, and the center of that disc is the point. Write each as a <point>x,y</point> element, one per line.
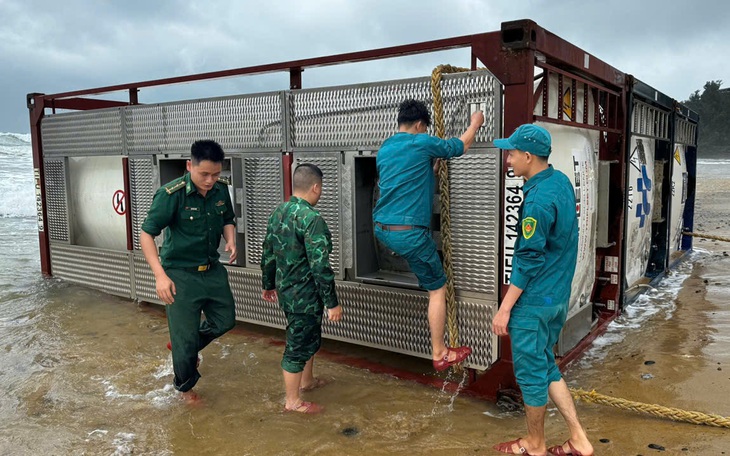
<point>295,259</point>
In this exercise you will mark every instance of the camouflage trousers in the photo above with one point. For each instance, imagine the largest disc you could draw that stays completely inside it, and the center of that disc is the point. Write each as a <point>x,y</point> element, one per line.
<point>303,339</point>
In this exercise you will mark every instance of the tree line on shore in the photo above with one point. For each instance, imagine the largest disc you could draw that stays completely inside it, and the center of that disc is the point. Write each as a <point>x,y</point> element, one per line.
<point>713,106</point>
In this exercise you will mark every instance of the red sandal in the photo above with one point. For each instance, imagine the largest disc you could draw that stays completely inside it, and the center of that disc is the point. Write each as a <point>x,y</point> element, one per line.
<point>506,447</point>
<point>461,354</point>
<point>309,408</point>
<point>558,450</point>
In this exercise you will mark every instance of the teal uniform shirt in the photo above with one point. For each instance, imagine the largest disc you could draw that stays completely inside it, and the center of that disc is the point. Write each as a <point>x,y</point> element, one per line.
<point>406,178</point>
<point>547,249</point>
<point>295,259</point>
<point>194,222</point>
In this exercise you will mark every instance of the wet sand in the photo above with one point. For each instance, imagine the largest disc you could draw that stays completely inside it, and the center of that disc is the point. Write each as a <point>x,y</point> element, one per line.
<point>87,373</point>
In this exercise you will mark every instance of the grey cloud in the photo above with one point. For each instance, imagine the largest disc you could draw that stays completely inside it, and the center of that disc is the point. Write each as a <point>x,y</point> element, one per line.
<point>61,46</point>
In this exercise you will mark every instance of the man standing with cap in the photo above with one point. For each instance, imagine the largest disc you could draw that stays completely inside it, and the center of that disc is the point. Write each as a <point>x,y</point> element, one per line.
<point>534,309</point>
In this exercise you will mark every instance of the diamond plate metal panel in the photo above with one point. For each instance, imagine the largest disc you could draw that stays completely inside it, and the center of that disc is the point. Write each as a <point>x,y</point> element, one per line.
<point>396,320</point>
<point>142,183</point>
<point>104,270</point>
<point>474,192</point>
<point>56,199</point>
<point>263,188</point>
<point>459,90</point>
<point>97,132</point>
<point>330,203</point>
<point>246,288</point>
<point>236,123</point>
<point>379,317</point>
<point>364,115</point>
<point>144,129</point>
<point>144,280</point>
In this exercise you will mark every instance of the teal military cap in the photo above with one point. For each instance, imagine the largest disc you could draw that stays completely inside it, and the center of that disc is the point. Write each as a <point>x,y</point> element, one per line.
<point>527,138</point>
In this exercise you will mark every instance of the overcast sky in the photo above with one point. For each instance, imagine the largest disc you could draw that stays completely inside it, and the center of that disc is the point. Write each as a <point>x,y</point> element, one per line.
<point>55,46</point>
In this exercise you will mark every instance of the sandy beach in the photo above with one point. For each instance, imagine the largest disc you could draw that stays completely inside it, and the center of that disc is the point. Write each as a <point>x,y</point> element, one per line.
<point>86,373</point>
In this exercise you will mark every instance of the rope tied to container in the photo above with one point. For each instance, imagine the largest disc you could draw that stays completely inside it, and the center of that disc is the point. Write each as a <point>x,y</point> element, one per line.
<point>707,236</point>
<point>659,411</point>
<point>445,200</point>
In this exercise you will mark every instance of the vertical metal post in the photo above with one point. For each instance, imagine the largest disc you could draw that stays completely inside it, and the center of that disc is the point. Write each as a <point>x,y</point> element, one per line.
<point>295,78</point>
<point>133,96</point>
<point>128,203</point>
<point>36,108</point>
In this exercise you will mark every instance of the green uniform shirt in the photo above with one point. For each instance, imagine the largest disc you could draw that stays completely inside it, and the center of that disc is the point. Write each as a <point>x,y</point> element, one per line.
<point>295,259</point>
<point>194,222</point>
<point>547,249</point>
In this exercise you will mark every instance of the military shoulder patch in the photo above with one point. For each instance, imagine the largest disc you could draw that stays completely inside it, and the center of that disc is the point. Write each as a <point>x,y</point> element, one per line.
<point>224,180</point>
<point>529,225</point>
<point>172,187</point>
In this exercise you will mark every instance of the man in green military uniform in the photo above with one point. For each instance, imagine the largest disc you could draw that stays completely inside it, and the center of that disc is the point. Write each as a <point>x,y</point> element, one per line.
<point>534,309</point>
<point>297,272</point>
<point>195,210</point>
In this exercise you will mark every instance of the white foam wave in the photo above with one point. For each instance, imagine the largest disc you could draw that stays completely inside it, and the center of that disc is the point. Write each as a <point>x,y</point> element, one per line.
<point>713,161</point>
<point>658,301</point>
<point>15,138</point>
<point>124,443</point>
<point>16,177</point>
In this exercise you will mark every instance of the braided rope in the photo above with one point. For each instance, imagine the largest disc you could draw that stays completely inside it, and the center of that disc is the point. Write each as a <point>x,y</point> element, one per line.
<point>443,174</point>
<point>659,411</point>
<point>706,236</point>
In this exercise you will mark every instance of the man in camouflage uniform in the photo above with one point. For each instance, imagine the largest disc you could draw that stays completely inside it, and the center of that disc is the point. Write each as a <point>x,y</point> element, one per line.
<point>297,272</point>
<point>195,211</point>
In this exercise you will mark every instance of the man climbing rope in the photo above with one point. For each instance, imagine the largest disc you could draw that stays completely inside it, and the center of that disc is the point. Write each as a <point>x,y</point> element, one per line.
<point>402,214</point>
<point>534,309</point>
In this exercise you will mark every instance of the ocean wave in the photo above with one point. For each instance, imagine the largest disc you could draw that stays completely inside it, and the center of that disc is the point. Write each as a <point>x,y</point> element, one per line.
<point>15,139</point>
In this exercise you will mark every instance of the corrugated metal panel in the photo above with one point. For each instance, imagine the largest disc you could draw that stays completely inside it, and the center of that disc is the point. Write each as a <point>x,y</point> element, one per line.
<point>96,132</point>
<point>144,280</point>
<point>56,199</point>
<point>474,180</point>
<point>250,307</point>
<point>247,122</point>
<point>104,270</point>
<point>686,132</point>
<point>364,115</point>
<point>647,120</point>
<point>397,320</point>
<point>144,129</point>
<point>142,182</point>
<point>330,203</point>
<point>378,317</point>
<point>263,188</point>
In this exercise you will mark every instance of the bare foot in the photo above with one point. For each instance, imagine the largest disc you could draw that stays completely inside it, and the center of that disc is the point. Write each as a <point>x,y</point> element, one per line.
<point>305,407</point>
<point>191,398</point>
<point>318,382</point>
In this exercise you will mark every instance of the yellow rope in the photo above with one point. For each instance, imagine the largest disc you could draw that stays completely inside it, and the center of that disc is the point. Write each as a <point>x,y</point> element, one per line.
<point>707,236</point>
<point>438,121</point>
<point>659,411</point>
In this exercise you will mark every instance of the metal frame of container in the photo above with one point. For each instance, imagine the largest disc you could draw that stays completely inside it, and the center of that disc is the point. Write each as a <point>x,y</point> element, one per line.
<point>511,54</point>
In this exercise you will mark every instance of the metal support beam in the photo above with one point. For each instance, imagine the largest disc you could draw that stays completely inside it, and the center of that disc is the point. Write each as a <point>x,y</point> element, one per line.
<point>36,108</point>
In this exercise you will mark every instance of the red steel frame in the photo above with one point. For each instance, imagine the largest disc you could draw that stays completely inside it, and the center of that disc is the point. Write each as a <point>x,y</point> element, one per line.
<point>511,54</point>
